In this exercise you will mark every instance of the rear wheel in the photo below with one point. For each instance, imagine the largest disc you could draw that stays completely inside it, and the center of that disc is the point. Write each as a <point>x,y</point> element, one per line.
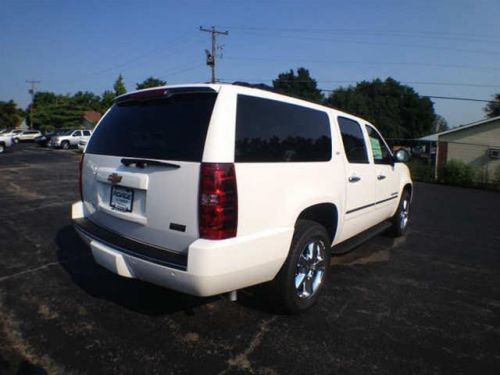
<point>16,140</point>
<point>65,145</point>
<point>2,148</point>
<point>300,281</point>
<point>401,217</point>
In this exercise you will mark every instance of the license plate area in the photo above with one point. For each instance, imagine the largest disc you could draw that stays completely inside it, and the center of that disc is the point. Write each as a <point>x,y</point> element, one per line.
<point>122,199</point>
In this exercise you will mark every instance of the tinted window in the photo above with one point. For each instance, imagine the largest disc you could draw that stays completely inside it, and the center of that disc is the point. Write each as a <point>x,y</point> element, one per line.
<point>171,128</point>
<point>77,134</point>
<point>86,132</point>
<point>354,142</point>
<point>273,131</point>
<point>380,152</point>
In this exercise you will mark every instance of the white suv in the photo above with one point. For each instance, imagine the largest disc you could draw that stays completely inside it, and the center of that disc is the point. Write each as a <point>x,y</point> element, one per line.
<point>207,189</point>
<point>70,138</point>
<point>27,135</point>
<point>5,141</point>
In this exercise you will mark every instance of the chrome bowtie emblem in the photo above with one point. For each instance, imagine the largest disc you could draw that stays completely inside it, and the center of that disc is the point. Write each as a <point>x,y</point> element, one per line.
<point>114,178</point>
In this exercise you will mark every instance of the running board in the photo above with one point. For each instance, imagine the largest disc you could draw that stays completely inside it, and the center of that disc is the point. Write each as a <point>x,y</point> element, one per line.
<point>352,243</point>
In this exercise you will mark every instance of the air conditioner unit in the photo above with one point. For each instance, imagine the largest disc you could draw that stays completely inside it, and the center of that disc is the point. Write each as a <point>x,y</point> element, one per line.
<point>494,153</point>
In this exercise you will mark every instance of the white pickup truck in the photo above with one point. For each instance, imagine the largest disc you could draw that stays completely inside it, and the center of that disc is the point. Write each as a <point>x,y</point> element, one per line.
<point>5,141</point>
<point>207,189</point>
<point>69,139</point>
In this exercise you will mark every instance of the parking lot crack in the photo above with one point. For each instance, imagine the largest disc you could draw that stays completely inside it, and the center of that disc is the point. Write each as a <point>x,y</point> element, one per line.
<point>39,268</point>
<point>241,360</point>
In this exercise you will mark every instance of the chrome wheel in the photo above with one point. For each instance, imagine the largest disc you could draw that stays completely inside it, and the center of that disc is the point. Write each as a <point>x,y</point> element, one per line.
<point>310,269</point>
<point>404,214</point>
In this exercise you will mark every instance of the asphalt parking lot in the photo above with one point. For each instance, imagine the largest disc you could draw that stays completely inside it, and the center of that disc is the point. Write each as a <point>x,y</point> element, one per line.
<point>425,303</point>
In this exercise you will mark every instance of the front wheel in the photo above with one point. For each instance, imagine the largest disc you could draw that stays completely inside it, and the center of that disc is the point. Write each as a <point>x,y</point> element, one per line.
<point>300,281</point>
<point>2,148</point>
<point>16,140</point>
<point>401,217</point>
<point>65,145</point>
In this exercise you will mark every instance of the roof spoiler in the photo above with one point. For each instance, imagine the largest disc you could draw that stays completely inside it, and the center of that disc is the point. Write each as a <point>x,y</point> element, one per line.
<point>163,93</point>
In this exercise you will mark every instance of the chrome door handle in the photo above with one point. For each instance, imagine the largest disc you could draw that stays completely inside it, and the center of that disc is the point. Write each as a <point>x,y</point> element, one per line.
<point>380,177</point>
<point>354,179</point>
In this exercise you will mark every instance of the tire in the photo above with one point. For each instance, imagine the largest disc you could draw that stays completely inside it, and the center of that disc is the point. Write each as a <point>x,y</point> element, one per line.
<point>401,217</point>
<point>65,145</point>
<point>16,140</point>
<point>2,148</point>
<point>301,279</point>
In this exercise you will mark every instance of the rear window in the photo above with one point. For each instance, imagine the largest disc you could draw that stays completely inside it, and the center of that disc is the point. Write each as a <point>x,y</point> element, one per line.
<point>274,131</point>
<point>172,128</point>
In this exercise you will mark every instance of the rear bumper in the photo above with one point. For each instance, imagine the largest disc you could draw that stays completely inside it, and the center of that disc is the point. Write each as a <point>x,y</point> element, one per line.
<point>208,268</point>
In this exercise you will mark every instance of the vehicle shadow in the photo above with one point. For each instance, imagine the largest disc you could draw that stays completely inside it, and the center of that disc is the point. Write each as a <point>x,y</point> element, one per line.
<point>76,259</point>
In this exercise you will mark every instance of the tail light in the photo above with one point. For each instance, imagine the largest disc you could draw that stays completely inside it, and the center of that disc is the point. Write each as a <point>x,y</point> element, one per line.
<point>218,211</point>
<point>80,178</point>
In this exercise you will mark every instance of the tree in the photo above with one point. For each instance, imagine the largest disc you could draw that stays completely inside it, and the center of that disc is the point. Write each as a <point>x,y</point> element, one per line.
<point>150,82</point>
<point>107,100</point>
<point>58,111</point>
<point>10,115</point>
<point>440,124</point>
<point>492,109</point>
<point>397,110</point>
<point>300,86</point>
<point>119,86</point>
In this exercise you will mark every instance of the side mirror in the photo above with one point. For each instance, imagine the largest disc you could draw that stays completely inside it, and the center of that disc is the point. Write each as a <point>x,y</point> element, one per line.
<point>402,156</point>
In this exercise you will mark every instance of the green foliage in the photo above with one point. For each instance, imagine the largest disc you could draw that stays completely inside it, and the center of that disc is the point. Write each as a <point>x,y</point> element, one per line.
<point>62,111</point>
<point>150,82</point>
<point>456,172</point>
<point>47,129</point>
<point>107,100</point>
<point>493,109</point>
<point>421,171</point>
<point>397,110</point>
<point>119,86</point>
<point>10,115</point>
<point>299,85</point>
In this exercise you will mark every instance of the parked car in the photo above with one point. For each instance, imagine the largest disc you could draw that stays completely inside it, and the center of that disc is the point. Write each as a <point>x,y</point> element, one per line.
<point>208,189</point>
<point>69,139</point>
<point>12,134</point>
<point>5,141</point>
<point>27,135</point>
<point>44,140</point>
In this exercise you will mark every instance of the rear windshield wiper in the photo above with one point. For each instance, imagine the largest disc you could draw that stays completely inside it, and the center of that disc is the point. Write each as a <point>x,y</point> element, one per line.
<point>143,163</point>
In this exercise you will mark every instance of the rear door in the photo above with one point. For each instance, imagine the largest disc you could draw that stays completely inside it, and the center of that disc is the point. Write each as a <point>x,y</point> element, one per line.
<point>360,175</point>
<point>387,176</point>
<point>142,166</point>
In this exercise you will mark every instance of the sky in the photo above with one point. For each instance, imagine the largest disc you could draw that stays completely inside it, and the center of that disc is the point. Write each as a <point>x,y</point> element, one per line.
<point>439,47</point>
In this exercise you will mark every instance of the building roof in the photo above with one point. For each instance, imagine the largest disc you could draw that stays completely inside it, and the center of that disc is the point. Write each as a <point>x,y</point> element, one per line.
<point>92,116</point>
<point>435,136</point>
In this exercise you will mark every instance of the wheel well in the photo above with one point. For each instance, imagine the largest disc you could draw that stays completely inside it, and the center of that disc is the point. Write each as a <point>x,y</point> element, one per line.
<point>324,214</point>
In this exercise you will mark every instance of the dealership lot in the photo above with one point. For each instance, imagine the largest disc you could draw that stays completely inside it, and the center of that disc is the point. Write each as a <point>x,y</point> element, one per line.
<point>428,302</point>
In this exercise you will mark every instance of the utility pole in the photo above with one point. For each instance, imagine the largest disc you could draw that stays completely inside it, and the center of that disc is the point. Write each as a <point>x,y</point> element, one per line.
<point>32,91</point>
<point>211,54</point>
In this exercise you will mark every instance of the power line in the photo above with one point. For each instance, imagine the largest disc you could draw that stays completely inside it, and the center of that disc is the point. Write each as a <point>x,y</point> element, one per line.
<point>424,83</point>
<point>426,96</point>
<point>397,33</point>
<point>343,40</point>
<point>384,63</point>
<point>211,54</point>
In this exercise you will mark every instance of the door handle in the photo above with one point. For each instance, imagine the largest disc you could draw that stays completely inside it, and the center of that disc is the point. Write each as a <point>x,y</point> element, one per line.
<point>380,177</point>
<point>354,179</point>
